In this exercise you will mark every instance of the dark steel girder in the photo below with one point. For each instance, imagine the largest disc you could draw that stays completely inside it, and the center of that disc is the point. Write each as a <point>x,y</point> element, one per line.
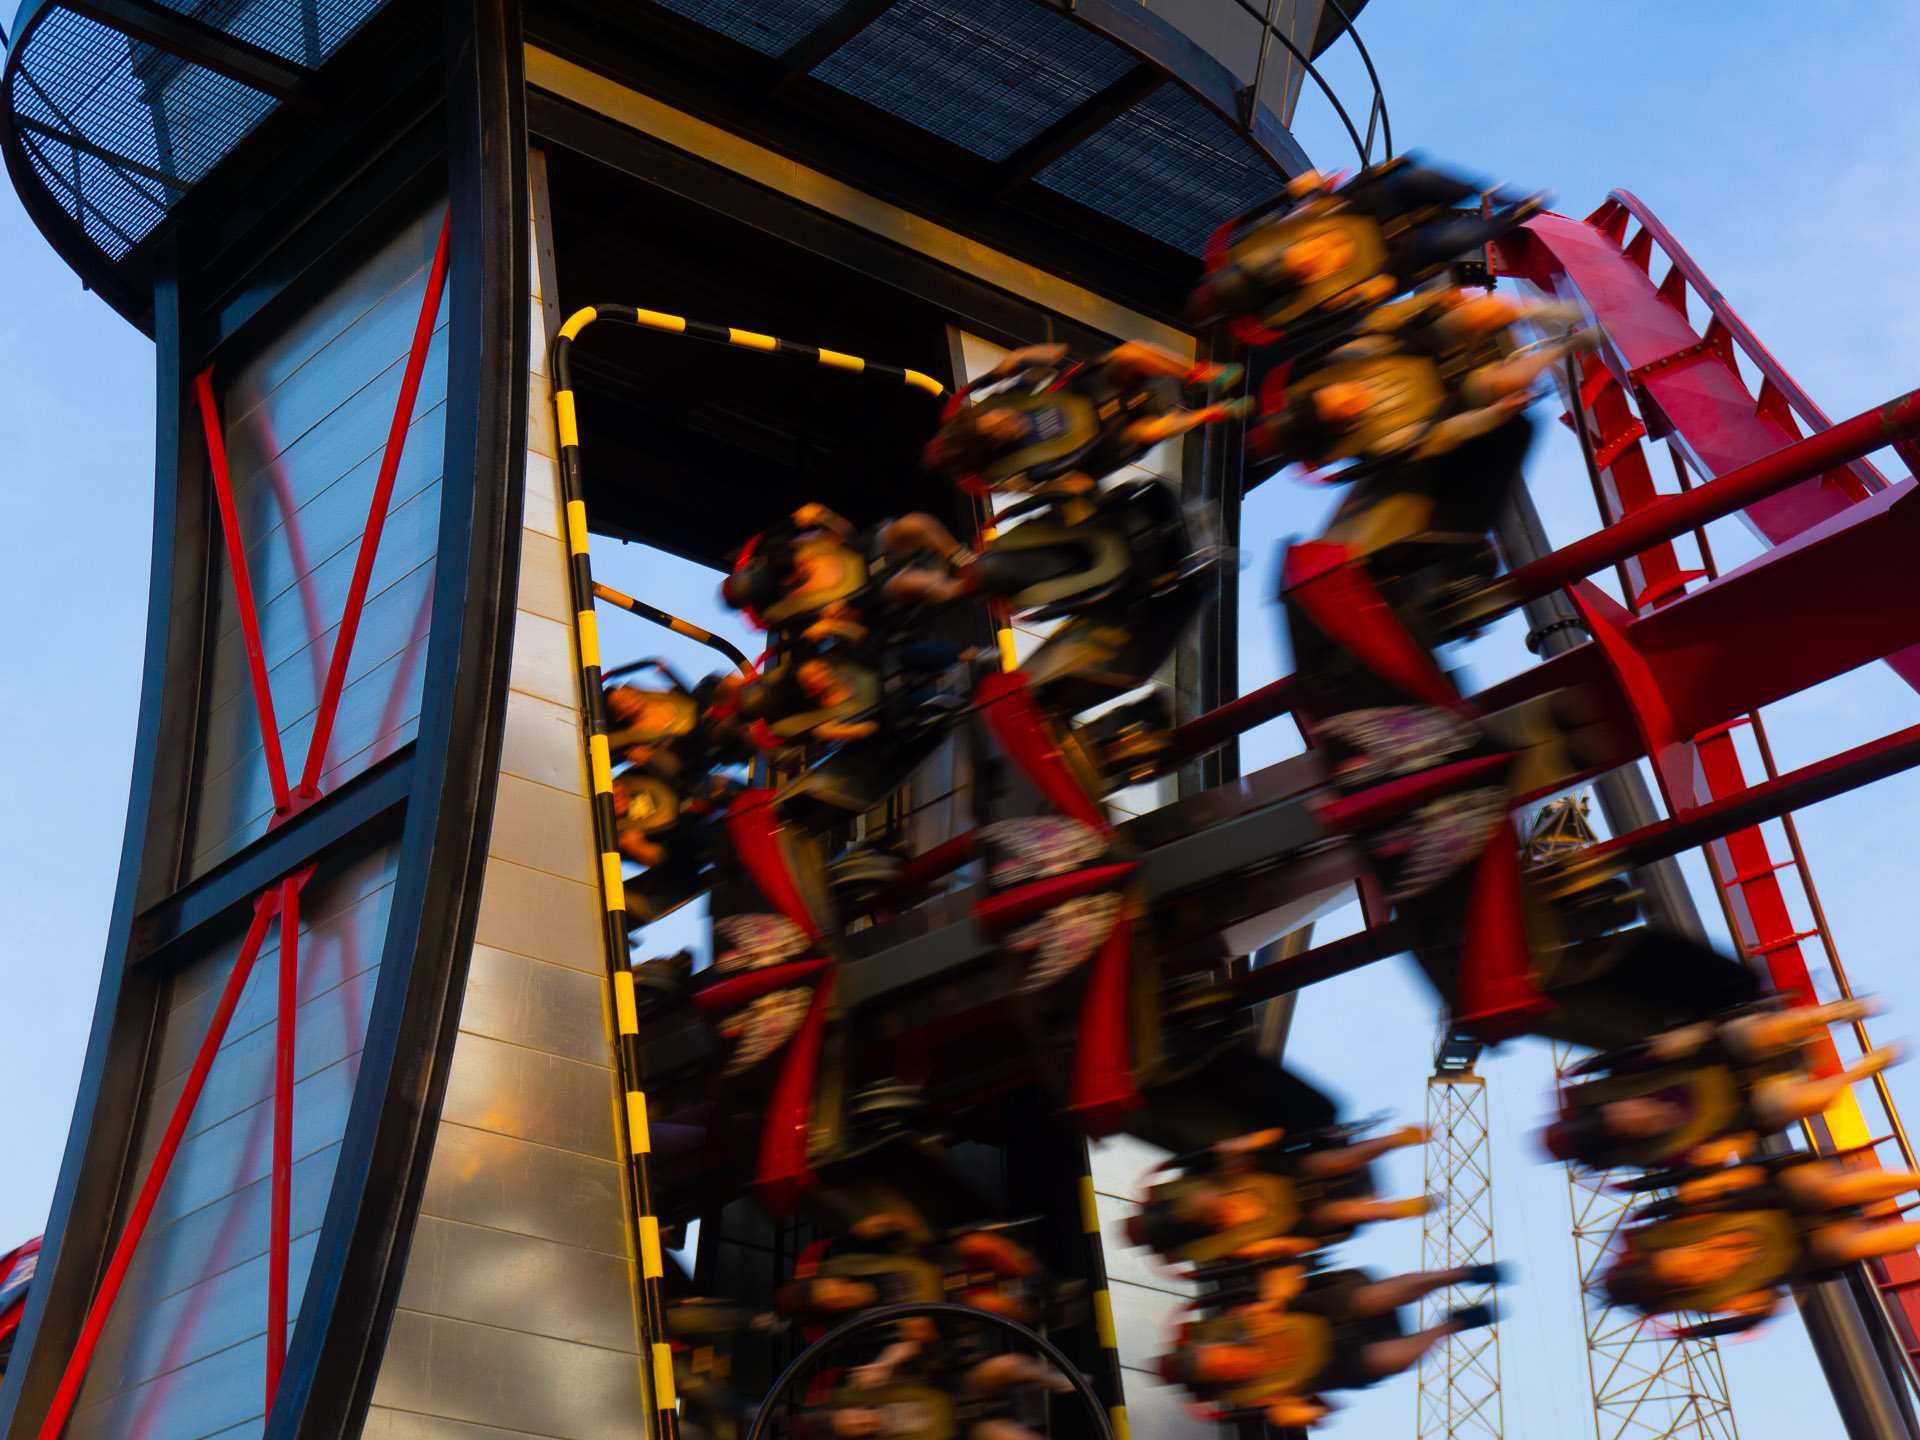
<point>204,45</point>
<point>825,38</point>
<point>1074,126</point>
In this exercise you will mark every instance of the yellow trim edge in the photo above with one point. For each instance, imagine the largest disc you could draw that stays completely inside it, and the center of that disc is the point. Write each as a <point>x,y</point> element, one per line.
<point>639,1133</point>
<point>663,1375</point>
<point>626,1013</point>
<point>589,641</point>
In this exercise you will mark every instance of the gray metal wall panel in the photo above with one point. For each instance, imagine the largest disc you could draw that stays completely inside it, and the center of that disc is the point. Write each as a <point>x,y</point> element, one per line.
<point>519,1282</point>
<point>517,1381</point>
<point>306,423</point>
<point>511,1090</point>
<point>486,1179</point>
<point>517,1317</point>
<point>538,1004</point>
<point>384,1424</point>
<point>534,912</point>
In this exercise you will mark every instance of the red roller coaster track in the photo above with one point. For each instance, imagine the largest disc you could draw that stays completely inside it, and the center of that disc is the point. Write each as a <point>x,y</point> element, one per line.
<point>1659,378</point>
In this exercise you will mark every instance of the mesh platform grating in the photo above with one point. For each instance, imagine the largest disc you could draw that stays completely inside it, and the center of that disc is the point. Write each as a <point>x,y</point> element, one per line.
<point>118,131</point>
<point>1169,167</point>
<point>770,26</point>
<point>303,31</point>
<point>986,74</point>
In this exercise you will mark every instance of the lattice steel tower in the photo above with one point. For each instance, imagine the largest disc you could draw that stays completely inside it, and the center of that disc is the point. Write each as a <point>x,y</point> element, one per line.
<point>1459,1379</point>
<point>1648,1384</point>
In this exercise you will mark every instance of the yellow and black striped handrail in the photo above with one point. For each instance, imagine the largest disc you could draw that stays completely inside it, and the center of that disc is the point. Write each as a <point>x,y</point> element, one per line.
<point>720,335</point>
<point>676,624</point>
<point>600,766</point>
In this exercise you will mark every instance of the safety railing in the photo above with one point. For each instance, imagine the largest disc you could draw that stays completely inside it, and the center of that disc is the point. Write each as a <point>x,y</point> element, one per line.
<point>1377,119</point>
<point>600,760</point>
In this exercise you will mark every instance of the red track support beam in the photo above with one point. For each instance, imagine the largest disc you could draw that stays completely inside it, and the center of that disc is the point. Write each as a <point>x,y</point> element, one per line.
<point>376,521</point>
<point>1769,800</point>
<point>1236,717</point>
<point>1716,499</point>
<point>82,1357</point>
<point>920,871</point>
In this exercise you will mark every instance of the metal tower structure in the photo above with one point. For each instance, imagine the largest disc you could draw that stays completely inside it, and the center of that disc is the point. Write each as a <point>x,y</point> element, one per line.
<point>1460,1379</point>
<point>1648,1383</point>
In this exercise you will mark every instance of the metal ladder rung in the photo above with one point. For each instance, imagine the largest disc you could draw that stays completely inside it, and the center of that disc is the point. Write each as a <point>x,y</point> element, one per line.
<point>1783,942</point>
<point>1747,877</point>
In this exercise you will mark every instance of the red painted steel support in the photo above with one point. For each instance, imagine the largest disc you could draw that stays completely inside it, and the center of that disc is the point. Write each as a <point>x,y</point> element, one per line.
<point>1236,717</point>
<point>1674,515</point>
<point>280,1223</point>
<point>376,520</point>
<point>1775,381</point>
<point>1752,805</point>
<point>242,589</point>
<point>82,1356</point>
<point>1689,391</point>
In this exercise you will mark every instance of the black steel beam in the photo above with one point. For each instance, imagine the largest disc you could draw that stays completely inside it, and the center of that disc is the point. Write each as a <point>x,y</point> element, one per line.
<point>973,304</point>
<point>1073,127</point>
<point>371,798</point>
<point>204,45</point>
<point>825,38</point>
<point>75,141</point>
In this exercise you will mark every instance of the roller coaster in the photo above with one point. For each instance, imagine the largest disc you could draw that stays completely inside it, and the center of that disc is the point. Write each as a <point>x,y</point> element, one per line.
<point>981,882</point>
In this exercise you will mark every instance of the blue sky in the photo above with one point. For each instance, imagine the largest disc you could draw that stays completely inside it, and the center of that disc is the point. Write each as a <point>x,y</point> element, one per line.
<point>1774,139</point>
